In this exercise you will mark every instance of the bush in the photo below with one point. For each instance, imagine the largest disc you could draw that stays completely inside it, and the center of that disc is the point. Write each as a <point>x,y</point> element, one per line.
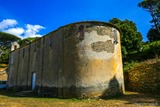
<point>145,77</point>
<point>148,51</point>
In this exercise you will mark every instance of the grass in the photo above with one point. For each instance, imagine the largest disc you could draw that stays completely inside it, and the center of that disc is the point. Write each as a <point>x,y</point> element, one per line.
<point>3,66</point>
<point>130,99</point>
<point>9,99</point>
<point>144,77</point>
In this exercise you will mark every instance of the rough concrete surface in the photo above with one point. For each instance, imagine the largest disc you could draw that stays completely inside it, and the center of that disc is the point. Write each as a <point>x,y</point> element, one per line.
<point>78,60</point>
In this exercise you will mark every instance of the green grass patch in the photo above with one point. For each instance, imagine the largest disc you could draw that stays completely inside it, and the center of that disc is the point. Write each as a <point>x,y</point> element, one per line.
<point>9,99</point>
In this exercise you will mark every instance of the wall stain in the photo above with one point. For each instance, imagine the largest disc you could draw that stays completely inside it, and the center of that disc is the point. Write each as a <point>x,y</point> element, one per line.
<point>89,29</point>
<point>102,31</point>
<point>101,46</point>
<point>81,32</point>
<point>115,37</point>
<point>69,31</point>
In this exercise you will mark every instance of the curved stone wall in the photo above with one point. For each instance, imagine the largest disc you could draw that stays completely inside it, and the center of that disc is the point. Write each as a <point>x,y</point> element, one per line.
<point>92,60</point>
<point>78,60</point>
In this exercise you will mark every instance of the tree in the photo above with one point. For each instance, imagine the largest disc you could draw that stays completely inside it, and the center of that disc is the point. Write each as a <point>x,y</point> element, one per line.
<point>153,35</point>
<point>6,39</point>
<point>5,42</point>
<point>27,40</point>
<point>131,39</point>
<point>153,7</point>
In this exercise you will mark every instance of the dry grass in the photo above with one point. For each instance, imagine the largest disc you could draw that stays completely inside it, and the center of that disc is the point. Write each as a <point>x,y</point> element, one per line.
<point>145,76</point>
<point>130,99</point>
<point>3,74</point>
<point>3,65</point>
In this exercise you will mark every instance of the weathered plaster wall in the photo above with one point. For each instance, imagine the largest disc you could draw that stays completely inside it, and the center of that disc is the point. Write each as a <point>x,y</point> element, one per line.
<point>92,61</point>
<point>14,46</point>
<point>22,70</point>
<point>13,68</point>
<point>53,61</point>
<point>77,60</point>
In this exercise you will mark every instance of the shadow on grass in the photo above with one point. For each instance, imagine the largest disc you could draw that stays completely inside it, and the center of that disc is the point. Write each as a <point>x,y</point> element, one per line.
<point>114,92</point>
<point>130,98</point>
<point>35,95</point>
<point>139,99</point>
<point>10,93</point>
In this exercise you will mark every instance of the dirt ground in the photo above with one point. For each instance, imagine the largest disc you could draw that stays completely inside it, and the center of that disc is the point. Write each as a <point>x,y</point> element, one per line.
<point>3,74</point>
<point>130,99</point>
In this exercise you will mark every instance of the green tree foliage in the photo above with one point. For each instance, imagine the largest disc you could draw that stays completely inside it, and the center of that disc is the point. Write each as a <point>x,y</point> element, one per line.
<point>6,38</point>
<point>5,56</point>
<point>153,7</point>
<point>5,42</point>
<point>153,35</point>
<point>27,40</point>
<point>148,4</point>
<point>131,39</point>
<point>151,50</point>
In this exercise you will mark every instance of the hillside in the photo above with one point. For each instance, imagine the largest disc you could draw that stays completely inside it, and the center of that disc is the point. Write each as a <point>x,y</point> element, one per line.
<point>142,69</point>
<point>3,74</point>
<point>144,77</point>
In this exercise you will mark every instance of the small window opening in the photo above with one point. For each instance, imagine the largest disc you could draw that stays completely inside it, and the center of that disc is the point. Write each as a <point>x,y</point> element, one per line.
<point>15,47</point>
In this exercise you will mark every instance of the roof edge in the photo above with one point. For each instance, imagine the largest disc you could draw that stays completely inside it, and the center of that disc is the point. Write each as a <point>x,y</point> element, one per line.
<point>105,23</point>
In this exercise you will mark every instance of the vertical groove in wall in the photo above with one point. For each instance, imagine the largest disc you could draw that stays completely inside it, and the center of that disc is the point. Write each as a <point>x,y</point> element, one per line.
<point>28,64</point>
<point>66,63</point>
<point>62,65</point>
<point>17,68</point>
<point>42,62</point>
<point>8,70</point>
<point>57,74</point>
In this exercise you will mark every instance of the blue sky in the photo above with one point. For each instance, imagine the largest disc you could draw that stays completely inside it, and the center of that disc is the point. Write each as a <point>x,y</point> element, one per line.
<point>26,18</point>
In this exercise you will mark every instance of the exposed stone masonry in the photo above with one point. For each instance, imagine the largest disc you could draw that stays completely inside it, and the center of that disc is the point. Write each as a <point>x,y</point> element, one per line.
<point>100,30</point>
<point>100,46</point>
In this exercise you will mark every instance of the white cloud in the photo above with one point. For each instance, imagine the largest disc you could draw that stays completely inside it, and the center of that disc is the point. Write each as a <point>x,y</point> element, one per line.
<point>32,30</point>
<point>7,23</point>
<point>15,31</point>
<point>11,26</point>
